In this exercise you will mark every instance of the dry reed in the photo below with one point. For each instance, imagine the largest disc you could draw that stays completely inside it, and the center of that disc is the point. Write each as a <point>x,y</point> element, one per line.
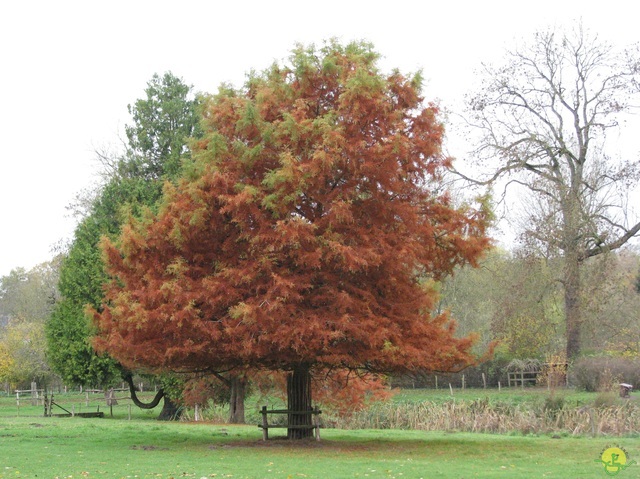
<point>481,416</point>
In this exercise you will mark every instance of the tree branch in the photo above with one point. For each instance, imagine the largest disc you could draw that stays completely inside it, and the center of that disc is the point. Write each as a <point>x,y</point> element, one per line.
<point>612,246</point>
<point>134,397</point>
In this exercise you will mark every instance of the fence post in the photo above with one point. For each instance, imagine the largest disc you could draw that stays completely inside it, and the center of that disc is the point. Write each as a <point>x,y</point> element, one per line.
<point>316,422</point>
<point>265,424</point>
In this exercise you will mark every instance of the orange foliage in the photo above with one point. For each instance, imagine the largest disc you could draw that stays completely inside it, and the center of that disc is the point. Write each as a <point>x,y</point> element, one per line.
<point>199,390</point>
<point>345,392</point>
<point>341,391</point>
<point>300,235</point>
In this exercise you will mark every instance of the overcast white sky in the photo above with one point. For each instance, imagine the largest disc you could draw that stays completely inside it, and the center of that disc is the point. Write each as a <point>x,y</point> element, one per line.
<point>68,70</point>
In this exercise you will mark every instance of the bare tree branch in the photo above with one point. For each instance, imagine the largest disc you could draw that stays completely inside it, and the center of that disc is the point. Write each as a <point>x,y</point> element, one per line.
<point>621,241</point>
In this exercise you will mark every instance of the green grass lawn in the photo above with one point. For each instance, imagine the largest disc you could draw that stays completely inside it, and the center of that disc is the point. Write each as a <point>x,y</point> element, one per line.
<point>77,448</point>
<point>512,396</point>
<point>32,446</point>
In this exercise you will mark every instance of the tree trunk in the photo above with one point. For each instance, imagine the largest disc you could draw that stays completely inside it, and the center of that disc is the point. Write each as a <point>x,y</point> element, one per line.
<point>571,240</point>
<point>170,410</point>
<point>236,403</point>
<point>572,306</point>
<point>299,401</point>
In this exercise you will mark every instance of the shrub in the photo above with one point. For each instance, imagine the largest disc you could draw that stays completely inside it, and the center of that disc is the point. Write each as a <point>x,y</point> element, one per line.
<point>604,373</point>
<point>606,399</point>
<point>553,403</point>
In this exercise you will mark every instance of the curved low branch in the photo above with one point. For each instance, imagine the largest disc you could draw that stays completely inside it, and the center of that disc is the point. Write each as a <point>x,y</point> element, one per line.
<point>134,397</point>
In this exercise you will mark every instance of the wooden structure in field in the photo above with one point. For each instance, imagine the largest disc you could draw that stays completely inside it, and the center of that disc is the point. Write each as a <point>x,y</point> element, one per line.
<point>531,372</point>
<point>291,424</point>
<point>48,407</point>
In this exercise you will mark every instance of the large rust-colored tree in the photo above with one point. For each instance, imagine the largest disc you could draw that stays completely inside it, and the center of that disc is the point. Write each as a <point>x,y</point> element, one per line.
<point>302,239</point>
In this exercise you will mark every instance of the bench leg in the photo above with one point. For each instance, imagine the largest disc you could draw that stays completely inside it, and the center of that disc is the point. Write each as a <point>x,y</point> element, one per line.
<point>265,424</point>
<point>316,423</point>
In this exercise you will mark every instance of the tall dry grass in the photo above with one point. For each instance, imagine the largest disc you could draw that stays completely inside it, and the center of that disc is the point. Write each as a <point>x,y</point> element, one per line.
<point>481,416</point>
<point>606,415</point>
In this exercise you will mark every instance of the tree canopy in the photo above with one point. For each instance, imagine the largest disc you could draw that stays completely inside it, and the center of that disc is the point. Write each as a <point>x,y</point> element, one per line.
<point>163,122</point>
<point>303,235</point>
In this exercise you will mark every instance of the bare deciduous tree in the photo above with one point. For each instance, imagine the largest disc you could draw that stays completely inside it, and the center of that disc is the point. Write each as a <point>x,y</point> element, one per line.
<point>545,120</point>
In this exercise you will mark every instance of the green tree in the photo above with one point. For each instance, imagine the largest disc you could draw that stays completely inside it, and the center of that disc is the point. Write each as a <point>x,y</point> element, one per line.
<point>528,320</point>
<point>22,345</point>
<point>30,295</point>
<point>26,301</point>
<point>510,298</point>
<point>69,330</point>
<point>611,304</point>
<point>162,124</point>
<point>472,295</point>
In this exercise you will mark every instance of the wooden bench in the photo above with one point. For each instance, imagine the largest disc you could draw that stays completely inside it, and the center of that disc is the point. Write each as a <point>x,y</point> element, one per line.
<point>265,426</point>
<point>79,414</point>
